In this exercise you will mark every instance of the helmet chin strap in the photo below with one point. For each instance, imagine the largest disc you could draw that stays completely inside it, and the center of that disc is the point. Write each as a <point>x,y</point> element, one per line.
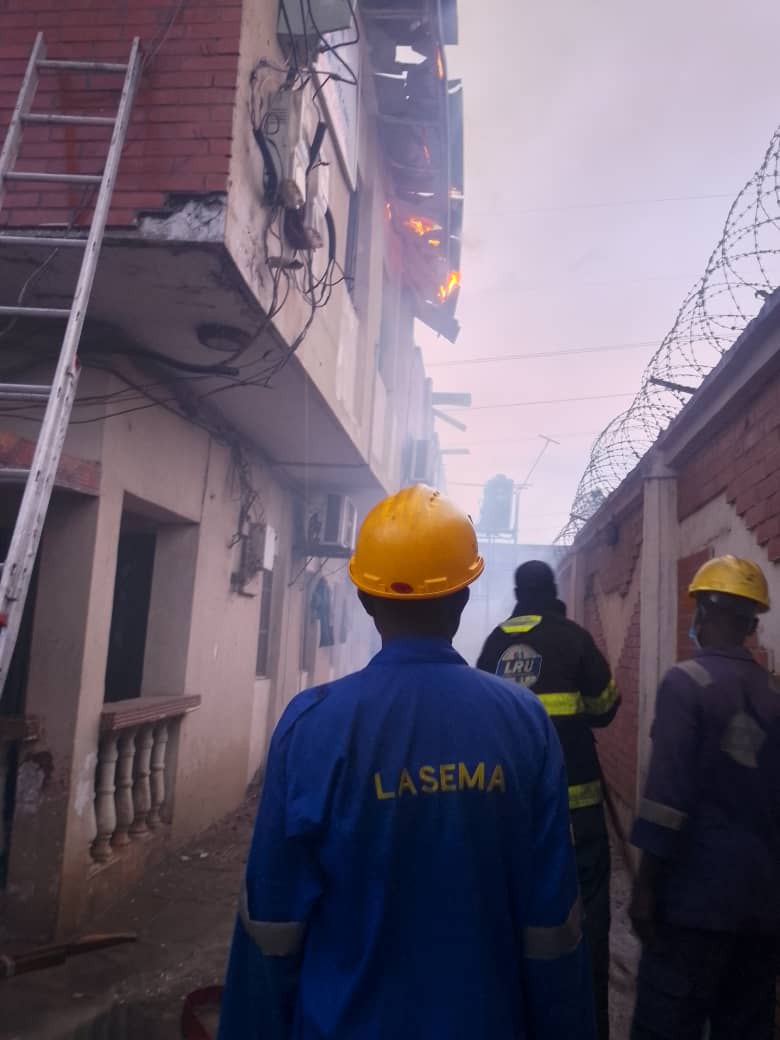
<point>693,631</point>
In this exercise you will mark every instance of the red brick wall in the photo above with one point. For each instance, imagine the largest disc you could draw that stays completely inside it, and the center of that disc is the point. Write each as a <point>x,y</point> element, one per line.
<point>615,564</point>
<point>617,744</point>
<point>742,460</point>
<point>180,135</point>
<point>609,569</point>
<point>686,568</point>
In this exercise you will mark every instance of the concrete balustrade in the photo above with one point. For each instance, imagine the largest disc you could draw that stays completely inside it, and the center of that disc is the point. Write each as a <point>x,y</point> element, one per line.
<point>130,778</point>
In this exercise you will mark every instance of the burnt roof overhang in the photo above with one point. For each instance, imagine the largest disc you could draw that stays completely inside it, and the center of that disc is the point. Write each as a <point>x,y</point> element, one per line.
<point>421,126</point>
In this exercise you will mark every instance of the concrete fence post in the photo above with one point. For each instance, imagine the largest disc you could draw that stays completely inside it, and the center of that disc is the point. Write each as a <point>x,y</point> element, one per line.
<point>658,598</point>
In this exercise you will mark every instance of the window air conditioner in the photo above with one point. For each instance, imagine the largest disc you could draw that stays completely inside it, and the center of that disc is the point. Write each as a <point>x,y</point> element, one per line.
<point>340,522</point>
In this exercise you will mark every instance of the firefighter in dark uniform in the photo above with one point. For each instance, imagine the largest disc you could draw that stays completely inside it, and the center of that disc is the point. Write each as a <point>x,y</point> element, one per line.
<point>707,900</point>
<point>558,660</point>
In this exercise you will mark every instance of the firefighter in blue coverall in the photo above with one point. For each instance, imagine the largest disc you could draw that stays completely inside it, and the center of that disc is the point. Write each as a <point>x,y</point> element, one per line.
<point>411,873</point>
<point>707,900</point>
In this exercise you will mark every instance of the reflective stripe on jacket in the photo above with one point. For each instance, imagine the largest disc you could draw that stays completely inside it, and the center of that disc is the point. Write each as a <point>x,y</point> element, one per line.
<point>561,664</point>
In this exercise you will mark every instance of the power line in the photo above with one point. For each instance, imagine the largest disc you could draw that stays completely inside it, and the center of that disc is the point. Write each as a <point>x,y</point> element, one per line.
<point>504,211</point>
<point>551,400</point>
<point>566,352</point>
<point>741,273</point>
<point>521,439</point>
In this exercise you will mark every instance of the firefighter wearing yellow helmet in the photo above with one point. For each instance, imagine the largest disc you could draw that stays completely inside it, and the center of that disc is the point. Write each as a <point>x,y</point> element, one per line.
<point>411,873</point>
<point>707,900</point>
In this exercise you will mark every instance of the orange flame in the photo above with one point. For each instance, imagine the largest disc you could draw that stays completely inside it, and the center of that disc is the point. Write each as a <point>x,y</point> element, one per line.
<point>449,287</point>
<point>434,242</point>
<point>421,225</point>
<point>439,65</point>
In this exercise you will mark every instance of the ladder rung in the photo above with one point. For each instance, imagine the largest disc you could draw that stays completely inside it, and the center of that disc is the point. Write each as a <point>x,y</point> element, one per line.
<point>68,120</point>
<point>24,392</point>
<point>60,178</point>
<point>34,312</point>
<point>41,240</point>
<point>82,66</point>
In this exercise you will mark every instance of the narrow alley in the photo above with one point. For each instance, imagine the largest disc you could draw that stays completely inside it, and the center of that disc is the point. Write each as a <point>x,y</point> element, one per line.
<point>183,912</point>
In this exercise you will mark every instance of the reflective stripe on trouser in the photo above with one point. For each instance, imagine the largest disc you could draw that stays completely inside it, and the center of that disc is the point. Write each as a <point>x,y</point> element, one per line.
<point>545,944</point>
<point>662,815</point>
<point>272,938</point>
<point>562,703</point>
<point>583,795</point>
<point>604,702</point>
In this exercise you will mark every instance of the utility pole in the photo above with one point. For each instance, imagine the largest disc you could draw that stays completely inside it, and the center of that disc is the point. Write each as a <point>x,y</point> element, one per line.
<point>519,487</point>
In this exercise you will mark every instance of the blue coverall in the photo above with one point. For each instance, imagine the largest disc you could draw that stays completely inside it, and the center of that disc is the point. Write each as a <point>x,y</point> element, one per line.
<point>411,873</point>
<point>711,815</point>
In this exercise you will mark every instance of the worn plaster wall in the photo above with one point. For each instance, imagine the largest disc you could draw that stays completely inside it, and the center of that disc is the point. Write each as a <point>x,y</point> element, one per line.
<point>202,638</point>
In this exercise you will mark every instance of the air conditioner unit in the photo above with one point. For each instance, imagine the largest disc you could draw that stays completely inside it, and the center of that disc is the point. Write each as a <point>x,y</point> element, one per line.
<point>421,463</point>
<point>340,522</point>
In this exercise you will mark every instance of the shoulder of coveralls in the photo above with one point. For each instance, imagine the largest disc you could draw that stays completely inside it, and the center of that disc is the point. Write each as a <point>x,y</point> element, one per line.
<point>686,678</point>
<point>304,703</point>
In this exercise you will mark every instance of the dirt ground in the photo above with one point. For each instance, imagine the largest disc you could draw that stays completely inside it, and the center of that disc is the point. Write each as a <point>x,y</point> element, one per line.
<point>183,913</point>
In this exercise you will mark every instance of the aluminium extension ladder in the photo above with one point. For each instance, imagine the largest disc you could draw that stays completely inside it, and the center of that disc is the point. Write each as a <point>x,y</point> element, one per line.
<point>59,396</point>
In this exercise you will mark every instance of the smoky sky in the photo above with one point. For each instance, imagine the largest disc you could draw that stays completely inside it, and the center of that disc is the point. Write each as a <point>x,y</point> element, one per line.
<point>604,143</point>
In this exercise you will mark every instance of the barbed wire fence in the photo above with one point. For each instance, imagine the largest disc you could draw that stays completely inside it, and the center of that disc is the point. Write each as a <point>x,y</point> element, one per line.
<point>743,269</point>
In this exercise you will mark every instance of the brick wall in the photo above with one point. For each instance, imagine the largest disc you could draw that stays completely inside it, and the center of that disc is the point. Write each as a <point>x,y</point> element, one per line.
<point>617,745</point>
<point>742,460</point>
<point>615,563</point>
<point>180,135</point>
<point>686,568</point>
<point>609,569</point>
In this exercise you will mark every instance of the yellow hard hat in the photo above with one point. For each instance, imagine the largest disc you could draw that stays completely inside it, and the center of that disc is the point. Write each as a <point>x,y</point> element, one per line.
<point>415,545</point>
<point>733,576</point>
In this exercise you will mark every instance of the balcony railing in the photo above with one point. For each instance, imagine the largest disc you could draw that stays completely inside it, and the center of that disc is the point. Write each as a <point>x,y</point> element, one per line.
<point>131,797</point>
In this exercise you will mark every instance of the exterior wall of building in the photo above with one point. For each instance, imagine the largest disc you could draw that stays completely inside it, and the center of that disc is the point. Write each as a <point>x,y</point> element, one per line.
<point>610,571</point>
<point>180,135</point>
<point>190,154</point>
<point>201,639</point>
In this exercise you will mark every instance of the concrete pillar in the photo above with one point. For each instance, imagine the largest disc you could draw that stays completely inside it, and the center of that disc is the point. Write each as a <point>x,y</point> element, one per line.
<point>658,599</point>
<point>54,822</point>
<point>575,590</point>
